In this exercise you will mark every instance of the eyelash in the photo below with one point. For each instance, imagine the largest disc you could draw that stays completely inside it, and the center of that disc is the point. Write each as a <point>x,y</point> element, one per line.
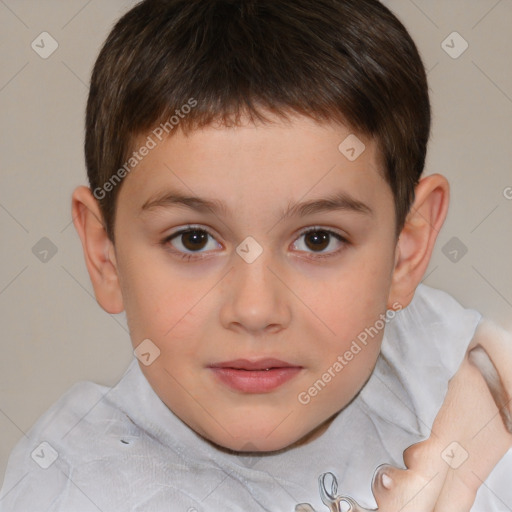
<point>189,256</point>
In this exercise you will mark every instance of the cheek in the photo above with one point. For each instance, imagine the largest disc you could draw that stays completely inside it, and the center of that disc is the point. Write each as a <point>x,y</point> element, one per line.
<point>353,306</point>
<point>355,295</point>
<point>157,300</point>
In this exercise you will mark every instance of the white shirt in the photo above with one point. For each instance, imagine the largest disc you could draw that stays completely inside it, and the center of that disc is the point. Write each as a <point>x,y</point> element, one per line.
<point>121,449</point>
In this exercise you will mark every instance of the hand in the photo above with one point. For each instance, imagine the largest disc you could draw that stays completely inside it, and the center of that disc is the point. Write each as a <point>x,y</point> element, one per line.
<point>469,436</point>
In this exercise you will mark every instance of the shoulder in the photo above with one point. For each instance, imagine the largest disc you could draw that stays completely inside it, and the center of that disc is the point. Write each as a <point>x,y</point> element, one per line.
<point>424,345</point>
<point>69,409</point>
<point>435,328</point>
<point>40,465</point>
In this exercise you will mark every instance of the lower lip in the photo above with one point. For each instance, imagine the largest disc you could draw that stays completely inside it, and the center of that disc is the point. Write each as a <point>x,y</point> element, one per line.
<point>256,381</point>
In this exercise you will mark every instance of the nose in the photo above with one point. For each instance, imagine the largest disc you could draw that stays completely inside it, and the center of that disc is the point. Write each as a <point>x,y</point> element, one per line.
<point>256,298</point>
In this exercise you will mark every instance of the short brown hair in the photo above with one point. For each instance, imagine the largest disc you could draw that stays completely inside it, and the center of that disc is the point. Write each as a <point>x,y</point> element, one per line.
<point>349,61</point>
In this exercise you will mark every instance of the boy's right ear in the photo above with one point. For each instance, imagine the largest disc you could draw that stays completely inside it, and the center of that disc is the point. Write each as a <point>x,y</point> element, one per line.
<point>98,250</point>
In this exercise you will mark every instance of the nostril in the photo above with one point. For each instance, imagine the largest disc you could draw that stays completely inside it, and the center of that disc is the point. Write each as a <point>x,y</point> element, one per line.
<point>124,441</point>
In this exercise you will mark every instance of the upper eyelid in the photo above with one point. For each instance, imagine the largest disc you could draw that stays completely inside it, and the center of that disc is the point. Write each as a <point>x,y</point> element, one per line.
<point>321,228</point>
<point>302,231</point>
<point>190,227</point>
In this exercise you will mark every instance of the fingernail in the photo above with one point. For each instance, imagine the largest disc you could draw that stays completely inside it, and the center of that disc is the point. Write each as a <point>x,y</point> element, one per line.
<point>382,477</point>
<point>386,481</point>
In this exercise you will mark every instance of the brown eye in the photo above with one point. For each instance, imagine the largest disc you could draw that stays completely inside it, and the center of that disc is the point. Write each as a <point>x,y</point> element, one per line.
<point>191,240</point>
<point>194,240</point>
<point>317,240</point>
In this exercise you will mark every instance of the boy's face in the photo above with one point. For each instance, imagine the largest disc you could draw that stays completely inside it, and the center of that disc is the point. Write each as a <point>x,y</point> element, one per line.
<point>302,301</point>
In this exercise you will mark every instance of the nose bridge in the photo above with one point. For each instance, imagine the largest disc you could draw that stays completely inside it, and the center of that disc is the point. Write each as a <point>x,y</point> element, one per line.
<point>256,298</point>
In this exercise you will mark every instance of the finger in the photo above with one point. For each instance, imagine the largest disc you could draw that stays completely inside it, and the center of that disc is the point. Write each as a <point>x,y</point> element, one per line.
<point>459,486</point>
<point>405,490</point>
<point>455,496</point>
<point>304,507</point>
<point>424,457</point>
<point>471,465</point>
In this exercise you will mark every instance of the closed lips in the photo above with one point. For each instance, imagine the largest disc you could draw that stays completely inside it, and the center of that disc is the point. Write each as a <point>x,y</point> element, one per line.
<point>259,365</point>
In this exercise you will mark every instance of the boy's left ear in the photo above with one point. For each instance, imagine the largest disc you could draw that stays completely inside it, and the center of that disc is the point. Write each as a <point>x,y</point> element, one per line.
<point>418,236</point>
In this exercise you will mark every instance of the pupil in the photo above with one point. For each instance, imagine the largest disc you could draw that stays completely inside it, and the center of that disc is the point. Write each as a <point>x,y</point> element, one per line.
<point>193,240</point>
<point>320,240</point>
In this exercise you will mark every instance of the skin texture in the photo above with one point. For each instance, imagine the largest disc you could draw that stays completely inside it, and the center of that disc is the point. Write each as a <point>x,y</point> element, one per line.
<point>470,417</point>
<point>288,302</point>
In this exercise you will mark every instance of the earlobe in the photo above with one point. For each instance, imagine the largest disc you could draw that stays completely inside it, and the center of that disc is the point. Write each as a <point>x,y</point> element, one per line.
<point>98,250</point>
<point>418,236</point>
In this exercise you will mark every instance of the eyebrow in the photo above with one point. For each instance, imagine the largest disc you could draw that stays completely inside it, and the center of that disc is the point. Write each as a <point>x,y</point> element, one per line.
<point>337,201</point>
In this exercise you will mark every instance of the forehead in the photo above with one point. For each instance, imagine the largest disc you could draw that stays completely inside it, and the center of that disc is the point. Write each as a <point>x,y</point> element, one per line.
<point>293,159</point>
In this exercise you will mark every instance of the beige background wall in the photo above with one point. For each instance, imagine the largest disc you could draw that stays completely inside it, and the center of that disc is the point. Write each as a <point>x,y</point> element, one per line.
<point>54,333</point>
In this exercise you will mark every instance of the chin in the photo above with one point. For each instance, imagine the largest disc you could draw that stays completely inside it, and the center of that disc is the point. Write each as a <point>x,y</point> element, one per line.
<point>254,443</point>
